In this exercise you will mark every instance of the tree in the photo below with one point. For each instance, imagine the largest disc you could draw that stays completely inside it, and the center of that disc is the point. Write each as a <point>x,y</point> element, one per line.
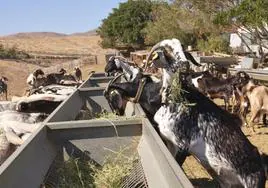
<point>165,24</point>
<point>122,28</point>
<point>250,16</point>
<point>187,20</point>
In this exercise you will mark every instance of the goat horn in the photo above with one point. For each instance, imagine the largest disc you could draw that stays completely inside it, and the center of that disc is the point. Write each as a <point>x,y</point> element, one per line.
<point>110,83</point>
<point>156,47</point>
<point>238,91</point>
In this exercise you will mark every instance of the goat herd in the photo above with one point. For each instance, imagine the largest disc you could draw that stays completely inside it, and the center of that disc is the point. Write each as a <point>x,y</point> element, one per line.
<point>22,115</point>
<point>193,124</point>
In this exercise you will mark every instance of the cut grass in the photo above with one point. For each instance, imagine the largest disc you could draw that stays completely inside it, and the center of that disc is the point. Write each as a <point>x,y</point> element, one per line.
<point>78,173</point>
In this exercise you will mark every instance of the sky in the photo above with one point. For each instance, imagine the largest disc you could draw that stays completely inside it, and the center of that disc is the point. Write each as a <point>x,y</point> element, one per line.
<point>61,16</point>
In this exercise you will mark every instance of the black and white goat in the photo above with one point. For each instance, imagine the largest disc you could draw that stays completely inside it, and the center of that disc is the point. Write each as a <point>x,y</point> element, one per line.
<point>199,127</point>
<point>44,103</point>
<point>31,79</point>
<point>170,56</point>
<point>119,64</point>
<point>118,94</point>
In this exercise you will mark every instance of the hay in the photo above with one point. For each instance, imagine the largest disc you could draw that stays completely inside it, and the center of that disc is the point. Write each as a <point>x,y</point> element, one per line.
<point>176,94</point>
<point>78,173</point>
<point>114,170</point>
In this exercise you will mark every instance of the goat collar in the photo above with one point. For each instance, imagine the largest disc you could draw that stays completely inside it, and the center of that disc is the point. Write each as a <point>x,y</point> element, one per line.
<point>140,89</point>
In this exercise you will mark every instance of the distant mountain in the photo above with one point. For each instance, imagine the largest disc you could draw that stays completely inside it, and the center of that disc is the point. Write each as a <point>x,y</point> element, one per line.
<point>88,33</point>
<point>50,34</point>
<point>36,34</point>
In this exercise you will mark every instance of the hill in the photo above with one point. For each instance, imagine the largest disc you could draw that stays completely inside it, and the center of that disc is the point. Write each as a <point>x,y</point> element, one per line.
<point>35,34</point>
<point>88,33</point>
<point>87,43</point>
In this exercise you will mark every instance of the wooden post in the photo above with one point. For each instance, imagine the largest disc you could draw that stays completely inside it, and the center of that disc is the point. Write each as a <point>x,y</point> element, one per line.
<point>96,59</point>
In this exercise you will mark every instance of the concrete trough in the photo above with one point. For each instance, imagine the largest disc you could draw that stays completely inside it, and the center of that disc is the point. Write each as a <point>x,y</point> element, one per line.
<point>63,134</point>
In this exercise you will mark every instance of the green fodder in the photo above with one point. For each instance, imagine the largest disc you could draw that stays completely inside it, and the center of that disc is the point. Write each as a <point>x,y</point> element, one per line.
<point>176,93</point>
<point>113,116</point>
<point>114,170</point>
<point>106,115</point>
<point>76,173</point>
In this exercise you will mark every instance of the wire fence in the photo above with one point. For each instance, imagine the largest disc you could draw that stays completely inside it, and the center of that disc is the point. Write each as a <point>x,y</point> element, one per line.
<point>70,65</point>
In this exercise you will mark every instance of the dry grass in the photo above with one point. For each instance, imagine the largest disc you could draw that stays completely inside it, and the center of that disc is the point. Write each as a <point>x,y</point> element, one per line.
<point>79,173</point>
<point>17,72</point>
<point>87,45</point>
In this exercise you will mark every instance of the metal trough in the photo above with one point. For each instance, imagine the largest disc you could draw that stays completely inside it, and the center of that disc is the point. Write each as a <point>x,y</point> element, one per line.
<point>62,135</point>
<point>256,74</point>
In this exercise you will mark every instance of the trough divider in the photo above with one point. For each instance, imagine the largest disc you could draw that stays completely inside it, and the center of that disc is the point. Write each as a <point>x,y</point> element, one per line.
<point>63,131</point>
<point>91,123</point>
<point>157,161</point>
<point>91,89</point>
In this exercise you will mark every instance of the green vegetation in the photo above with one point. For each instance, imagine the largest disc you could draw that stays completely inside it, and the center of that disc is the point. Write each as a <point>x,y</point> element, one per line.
<point>214,44</point>
<point>200,23</point>
<point>250,16</point>
<point>12,53</point>
<point>122,28</point>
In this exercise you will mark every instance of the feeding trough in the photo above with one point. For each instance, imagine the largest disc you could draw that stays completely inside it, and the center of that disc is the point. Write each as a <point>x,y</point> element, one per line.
<point>73,130</point>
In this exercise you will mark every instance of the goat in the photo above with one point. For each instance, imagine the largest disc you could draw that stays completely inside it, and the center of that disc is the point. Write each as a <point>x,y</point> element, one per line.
<point>3,86</point>
<point>13,134</point>
<point>170,56</point>
<point>78,74</point>
<point>213,136</point>
<point>202,129</point>
<point>54,89</point>
<point>44,103</point>
<point>7,105</point>
<point>214,87</point>
<point>120,64</point>
<point>117,95</point>
<point>55,78</point>
<point>33,76</point>
<point>258,100</point>
<point>10,115</point>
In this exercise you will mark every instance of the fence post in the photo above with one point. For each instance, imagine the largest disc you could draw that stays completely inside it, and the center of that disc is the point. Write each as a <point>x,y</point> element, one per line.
<point>96,59</point>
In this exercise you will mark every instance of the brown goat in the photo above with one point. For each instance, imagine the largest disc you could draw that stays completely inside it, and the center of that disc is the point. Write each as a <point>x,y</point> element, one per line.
<point>258,99</point>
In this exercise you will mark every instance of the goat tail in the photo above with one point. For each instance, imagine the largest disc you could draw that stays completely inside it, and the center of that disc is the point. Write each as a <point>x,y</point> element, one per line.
<point>264,158</point>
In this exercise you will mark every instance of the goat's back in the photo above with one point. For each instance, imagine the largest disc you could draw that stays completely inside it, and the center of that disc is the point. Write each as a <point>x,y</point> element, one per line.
<point>258,98</point>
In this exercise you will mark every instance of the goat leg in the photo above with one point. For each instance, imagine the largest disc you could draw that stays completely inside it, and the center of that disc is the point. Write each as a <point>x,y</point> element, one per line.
<point>253,117</point>
<point>264,119</point>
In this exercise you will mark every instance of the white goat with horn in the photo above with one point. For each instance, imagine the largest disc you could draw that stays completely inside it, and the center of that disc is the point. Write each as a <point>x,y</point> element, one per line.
<point>170,56</point>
